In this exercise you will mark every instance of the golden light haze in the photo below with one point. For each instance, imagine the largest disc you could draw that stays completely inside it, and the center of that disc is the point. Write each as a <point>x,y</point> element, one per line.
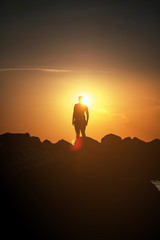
<point>41,103</point>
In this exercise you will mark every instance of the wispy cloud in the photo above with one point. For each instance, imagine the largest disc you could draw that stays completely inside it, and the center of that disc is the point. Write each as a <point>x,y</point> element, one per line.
<point>35,69</point>
<point>54,70</point>
<point>103,111</point>
<point>113,116</point>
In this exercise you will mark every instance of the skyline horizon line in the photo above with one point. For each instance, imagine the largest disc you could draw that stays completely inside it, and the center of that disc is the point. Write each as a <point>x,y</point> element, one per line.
<point>121,138</point>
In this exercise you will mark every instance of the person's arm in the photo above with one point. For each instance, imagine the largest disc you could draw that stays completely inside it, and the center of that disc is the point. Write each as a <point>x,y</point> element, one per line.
<point>87,113</point>
<point>73,117</point>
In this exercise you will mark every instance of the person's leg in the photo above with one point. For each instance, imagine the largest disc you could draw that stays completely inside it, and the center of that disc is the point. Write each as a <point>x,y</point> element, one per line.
<point>83,131</point>
<point>77,134</point>
<point>77,130</point>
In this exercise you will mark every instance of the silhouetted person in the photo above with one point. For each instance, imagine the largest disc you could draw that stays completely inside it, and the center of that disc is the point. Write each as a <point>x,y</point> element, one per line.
<point>80,117</point>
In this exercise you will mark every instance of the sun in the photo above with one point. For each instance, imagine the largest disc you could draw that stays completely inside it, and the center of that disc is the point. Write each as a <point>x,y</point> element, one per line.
<point>85,99</point>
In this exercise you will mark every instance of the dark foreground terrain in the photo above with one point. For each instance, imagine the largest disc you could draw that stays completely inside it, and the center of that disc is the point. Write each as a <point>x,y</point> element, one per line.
<point>101,191</point>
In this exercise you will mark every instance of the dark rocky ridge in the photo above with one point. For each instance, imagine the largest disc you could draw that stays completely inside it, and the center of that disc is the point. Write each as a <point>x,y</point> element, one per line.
<point>100,191</point>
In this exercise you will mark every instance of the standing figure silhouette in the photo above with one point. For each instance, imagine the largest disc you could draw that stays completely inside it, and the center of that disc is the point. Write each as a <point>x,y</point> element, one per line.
<point>80,117</point>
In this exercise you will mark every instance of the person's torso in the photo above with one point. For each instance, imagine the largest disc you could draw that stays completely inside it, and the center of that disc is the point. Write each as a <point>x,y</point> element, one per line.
<point>79,111</point>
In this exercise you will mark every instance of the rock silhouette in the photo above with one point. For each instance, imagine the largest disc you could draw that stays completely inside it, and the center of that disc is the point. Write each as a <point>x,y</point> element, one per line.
<point>99,191</point>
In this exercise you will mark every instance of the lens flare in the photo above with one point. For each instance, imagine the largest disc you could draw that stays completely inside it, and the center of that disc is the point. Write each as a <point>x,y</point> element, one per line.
<point>77,144</point>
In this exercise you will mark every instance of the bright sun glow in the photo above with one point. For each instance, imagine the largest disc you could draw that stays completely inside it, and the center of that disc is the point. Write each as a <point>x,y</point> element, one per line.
<point>85,99</point>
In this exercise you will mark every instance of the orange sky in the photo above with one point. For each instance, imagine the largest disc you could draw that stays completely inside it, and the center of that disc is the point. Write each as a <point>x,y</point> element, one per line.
<point>41,103</point>
<point>54,51</point>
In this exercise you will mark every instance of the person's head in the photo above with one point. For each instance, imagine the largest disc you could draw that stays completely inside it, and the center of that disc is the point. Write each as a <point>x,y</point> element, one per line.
<point>80,99</point>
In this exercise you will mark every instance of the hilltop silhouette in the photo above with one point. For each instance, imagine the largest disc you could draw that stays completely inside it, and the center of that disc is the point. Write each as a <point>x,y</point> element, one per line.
<point>101,190</point>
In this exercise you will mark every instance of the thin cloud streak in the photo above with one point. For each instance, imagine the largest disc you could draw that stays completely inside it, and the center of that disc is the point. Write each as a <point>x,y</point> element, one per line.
<point>35,69</point>
<point>54,70</point>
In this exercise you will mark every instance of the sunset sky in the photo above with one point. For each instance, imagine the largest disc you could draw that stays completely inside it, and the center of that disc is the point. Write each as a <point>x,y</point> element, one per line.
<point>53,52</point>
